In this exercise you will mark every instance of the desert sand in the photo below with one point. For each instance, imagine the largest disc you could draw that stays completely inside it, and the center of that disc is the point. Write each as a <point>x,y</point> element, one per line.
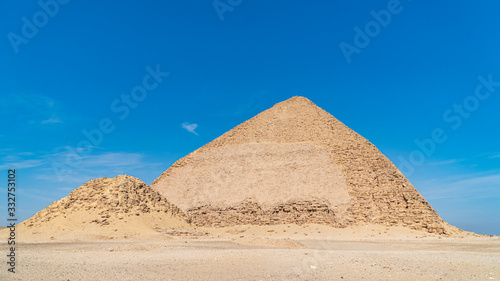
<point>279,252</point>
<point>291,194</point>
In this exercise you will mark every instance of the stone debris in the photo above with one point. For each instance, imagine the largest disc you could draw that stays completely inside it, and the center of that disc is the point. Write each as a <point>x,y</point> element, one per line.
<point>179,232</point>
<point>112,199</point>
<point>248,212</point>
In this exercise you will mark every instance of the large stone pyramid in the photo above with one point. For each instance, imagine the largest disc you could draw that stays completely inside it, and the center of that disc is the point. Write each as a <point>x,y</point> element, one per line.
<point>294,163</point>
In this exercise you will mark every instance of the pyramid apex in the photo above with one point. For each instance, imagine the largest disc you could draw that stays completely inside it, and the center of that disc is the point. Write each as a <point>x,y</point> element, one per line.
<point>298,99</point>
<point>298,102</point>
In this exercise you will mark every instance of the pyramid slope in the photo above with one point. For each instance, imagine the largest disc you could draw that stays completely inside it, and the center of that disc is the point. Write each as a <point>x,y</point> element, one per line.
<point>122,206</point>
<point>377,191</point>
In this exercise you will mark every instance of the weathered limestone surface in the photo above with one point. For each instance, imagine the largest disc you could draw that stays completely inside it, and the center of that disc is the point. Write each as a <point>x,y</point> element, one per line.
<point>247,212</point>
<point>377,191</point>
<point>110,199</point>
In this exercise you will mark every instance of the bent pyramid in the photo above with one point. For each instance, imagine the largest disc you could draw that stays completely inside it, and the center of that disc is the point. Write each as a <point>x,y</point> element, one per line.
<point>118,206</point>
<point>294,163</point>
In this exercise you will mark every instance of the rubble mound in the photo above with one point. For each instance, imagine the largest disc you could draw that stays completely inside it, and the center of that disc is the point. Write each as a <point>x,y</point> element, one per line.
<point>116,205</point>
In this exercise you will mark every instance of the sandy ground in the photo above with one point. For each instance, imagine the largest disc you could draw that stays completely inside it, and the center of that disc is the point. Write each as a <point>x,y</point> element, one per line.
<point>282,252</point>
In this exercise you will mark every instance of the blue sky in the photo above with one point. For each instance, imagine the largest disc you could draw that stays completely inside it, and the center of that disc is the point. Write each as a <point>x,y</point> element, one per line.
<point>151,81</point>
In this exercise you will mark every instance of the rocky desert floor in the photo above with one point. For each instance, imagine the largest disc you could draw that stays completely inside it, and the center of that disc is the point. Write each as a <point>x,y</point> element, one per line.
<point>283,252</point>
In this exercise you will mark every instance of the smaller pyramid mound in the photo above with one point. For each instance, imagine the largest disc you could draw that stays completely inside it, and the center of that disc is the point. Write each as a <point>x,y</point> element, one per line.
<point>122,206</point>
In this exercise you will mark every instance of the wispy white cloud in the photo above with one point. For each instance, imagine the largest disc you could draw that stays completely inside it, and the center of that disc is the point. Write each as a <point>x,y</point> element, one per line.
<point>483,186</point>
<point>94,166</point>
<point>490,155</point>
<point>114,159</point>
<point>51,120</point>
<point>36,194</point>
<point>23,164</point>
<point>31,108</point>
<point>6,150</point>
<point>87,166</point>
<point>446,162</point>
<point>10,158</point>
<point>75,176</point>
<point>14,159</point>
<point>190,127</point>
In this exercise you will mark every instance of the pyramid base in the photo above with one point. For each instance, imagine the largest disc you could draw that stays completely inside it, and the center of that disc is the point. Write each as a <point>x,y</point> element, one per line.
<point>251,213</point>
<point>300,212</point>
